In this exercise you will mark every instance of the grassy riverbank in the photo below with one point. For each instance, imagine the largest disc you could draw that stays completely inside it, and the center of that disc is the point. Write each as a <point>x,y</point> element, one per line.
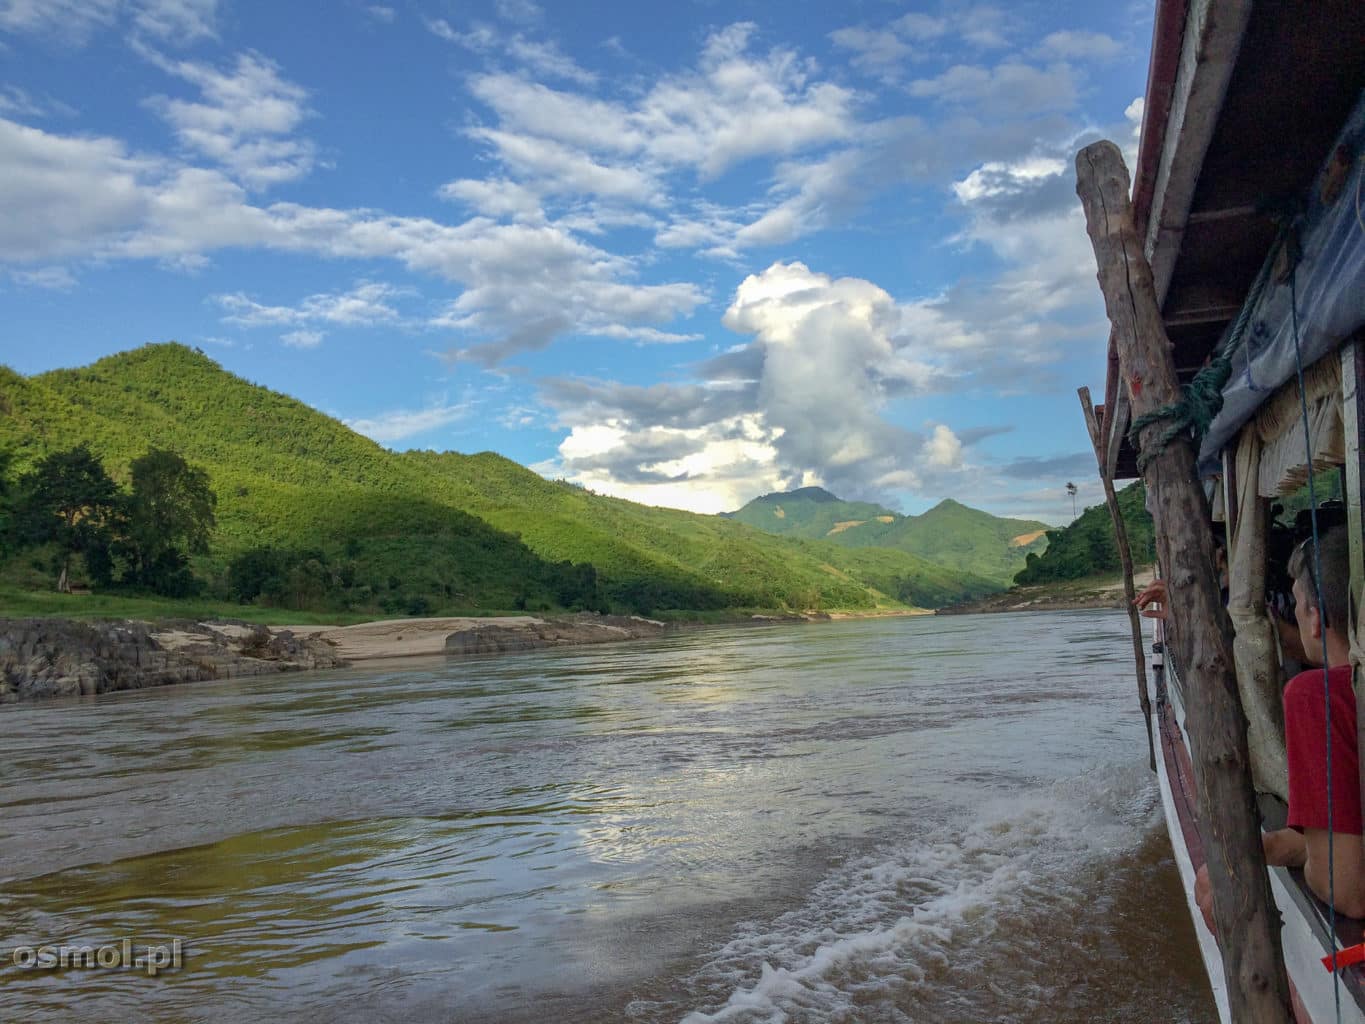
<point>16,603</point>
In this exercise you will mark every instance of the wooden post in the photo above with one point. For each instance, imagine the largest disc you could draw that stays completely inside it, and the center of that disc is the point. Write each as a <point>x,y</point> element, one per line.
<point>1126,560</point>
<point>1243,908</point>
<point>1353,415</point>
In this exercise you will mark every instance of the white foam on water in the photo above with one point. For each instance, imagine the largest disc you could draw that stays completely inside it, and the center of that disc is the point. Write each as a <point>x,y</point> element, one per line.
<point>940,920</point>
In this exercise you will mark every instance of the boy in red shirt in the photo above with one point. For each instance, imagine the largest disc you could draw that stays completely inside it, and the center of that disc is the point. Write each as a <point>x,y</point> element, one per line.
<point>1306,840</point>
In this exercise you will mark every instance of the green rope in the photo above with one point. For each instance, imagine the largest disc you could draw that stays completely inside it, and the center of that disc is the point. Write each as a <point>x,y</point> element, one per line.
<point>1202,398</point>
<point>1190,416</point>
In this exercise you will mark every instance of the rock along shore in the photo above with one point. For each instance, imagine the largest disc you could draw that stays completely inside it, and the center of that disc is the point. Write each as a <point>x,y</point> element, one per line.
<point>65,657</point>
<point>42,658</point>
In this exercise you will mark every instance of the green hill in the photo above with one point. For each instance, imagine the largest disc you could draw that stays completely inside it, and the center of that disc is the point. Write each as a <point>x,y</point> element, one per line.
<point>949,534</point>
<point>809,512</point>
<point>1087,546</point>
<point>422,531</point>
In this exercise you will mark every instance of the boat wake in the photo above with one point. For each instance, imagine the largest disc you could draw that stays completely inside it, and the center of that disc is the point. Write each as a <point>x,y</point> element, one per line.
<point>1002,917</point>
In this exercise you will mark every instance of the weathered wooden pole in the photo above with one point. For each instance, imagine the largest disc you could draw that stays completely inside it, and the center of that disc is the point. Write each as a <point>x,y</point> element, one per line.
<point>1243,909</point>
<point>1092,425</point>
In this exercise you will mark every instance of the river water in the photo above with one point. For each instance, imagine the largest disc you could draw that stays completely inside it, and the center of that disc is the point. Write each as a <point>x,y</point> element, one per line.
<point>924,820</point>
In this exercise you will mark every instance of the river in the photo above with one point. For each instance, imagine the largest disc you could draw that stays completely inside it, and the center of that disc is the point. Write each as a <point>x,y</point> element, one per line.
<point>912,819</point>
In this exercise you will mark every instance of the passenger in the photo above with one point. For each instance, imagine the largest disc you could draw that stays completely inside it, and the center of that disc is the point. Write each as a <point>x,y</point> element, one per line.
<point>1306,840</point>
<point>1152,599</point>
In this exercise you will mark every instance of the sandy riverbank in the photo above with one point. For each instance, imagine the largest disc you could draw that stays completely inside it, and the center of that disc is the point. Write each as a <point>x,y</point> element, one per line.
<point>1070,595</point>
<point>403,638</point>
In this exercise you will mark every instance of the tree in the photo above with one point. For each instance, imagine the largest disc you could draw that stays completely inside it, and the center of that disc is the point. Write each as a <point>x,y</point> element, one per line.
<point>8,524</point>
<point>1071,490</point>
<point>170,516</point>
<point>68,499</point>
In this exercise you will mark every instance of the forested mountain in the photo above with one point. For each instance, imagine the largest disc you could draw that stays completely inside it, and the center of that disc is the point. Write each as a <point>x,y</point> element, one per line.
<point>1087,546</point>
<point>950,533</point>
<point>357,526</point>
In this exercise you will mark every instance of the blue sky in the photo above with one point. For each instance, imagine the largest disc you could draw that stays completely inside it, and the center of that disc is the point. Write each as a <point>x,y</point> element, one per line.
<point>682,253</point>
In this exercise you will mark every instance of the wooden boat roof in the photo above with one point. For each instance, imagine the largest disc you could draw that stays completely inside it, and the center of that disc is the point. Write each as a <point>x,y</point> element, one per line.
<point>1244,101</point>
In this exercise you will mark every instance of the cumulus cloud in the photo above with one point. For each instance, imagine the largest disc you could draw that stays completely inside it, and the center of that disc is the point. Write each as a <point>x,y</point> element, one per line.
<point>733,106</point>
<point>820,391</point>
<point>521,284</point>
<point>804,401</point>
<point>60,192</point>
<point>495,197</point>
<point>245,122</point>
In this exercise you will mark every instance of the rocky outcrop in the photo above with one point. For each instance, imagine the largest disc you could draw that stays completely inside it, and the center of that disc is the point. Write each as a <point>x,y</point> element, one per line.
<point>493,637</point>
<point>62,657</point>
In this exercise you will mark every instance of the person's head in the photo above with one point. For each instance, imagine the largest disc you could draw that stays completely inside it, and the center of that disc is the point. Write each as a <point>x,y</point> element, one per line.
<point>1332,616</point>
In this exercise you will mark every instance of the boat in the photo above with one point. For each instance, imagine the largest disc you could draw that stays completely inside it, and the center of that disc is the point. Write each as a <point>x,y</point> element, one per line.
<point>1247,196</point>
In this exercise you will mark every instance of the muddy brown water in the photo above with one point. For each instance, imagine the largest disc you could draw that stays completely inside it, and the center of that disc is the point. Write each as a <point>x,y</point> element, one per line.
<point>920,820</point>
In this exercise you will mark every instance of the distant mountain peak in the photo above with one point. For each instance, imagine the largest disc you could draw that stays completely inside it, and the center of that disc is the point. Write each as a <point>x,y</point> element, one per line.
<point>807,494</point>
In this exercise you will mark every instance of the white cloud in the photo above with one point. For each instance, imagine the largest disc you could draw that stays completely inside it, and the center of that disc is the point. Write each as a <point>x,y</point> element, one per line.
<point>996,178</point>
<point>555,167</point>
<point>524,12</point>
<point>920,26</point>
<point>58,193</point>
<point>398,424</point>
<point>1079,45</point>
<point>734,106</point>
<point>546,57</point>
<point>73,21</point>
<point>737,106</point>
<point>709,469</point>
<point>646,335</point>
<point>177,21</point>
<point>17,102</point>
<point>246,122</point>
<point>943,449</point>
<point>495,197</point>
<point>364,305</point>
<point>827,356</point>
<point>881,51</point>
<point>381,13</point>
<point>53,278</point>
<point>1012,88</point>
<point>539,55</point>
<point>303,339</point>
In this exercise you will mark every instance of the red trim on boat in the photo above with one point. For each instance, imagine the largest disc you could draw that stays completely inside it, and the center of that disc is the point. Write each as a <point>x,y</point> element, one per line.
<point>1180,772</point>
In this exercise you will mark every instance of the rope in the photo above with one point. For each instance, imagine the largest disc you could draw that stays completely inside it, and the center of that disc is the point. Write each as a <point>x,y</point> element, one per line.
<point>1202,398</point>
<point>1322,613</point>
<point>1190,415</point>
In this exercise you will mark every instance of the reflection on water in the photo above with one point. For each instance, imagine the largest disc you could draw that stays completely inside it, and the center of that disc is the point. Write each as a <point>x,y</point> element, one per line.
<point>913,819</point>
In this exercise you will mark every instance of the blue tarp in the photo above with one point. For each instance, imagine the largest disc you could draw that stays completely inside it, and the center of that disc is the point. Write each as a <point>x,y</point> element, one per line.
<point>1330,286</point>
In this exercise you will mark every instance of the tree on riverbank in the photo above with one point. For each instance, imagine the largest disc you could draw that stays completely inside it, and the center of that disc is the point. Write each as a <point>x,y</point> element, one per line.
<point>70,502</point>
<point>170,517</point>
